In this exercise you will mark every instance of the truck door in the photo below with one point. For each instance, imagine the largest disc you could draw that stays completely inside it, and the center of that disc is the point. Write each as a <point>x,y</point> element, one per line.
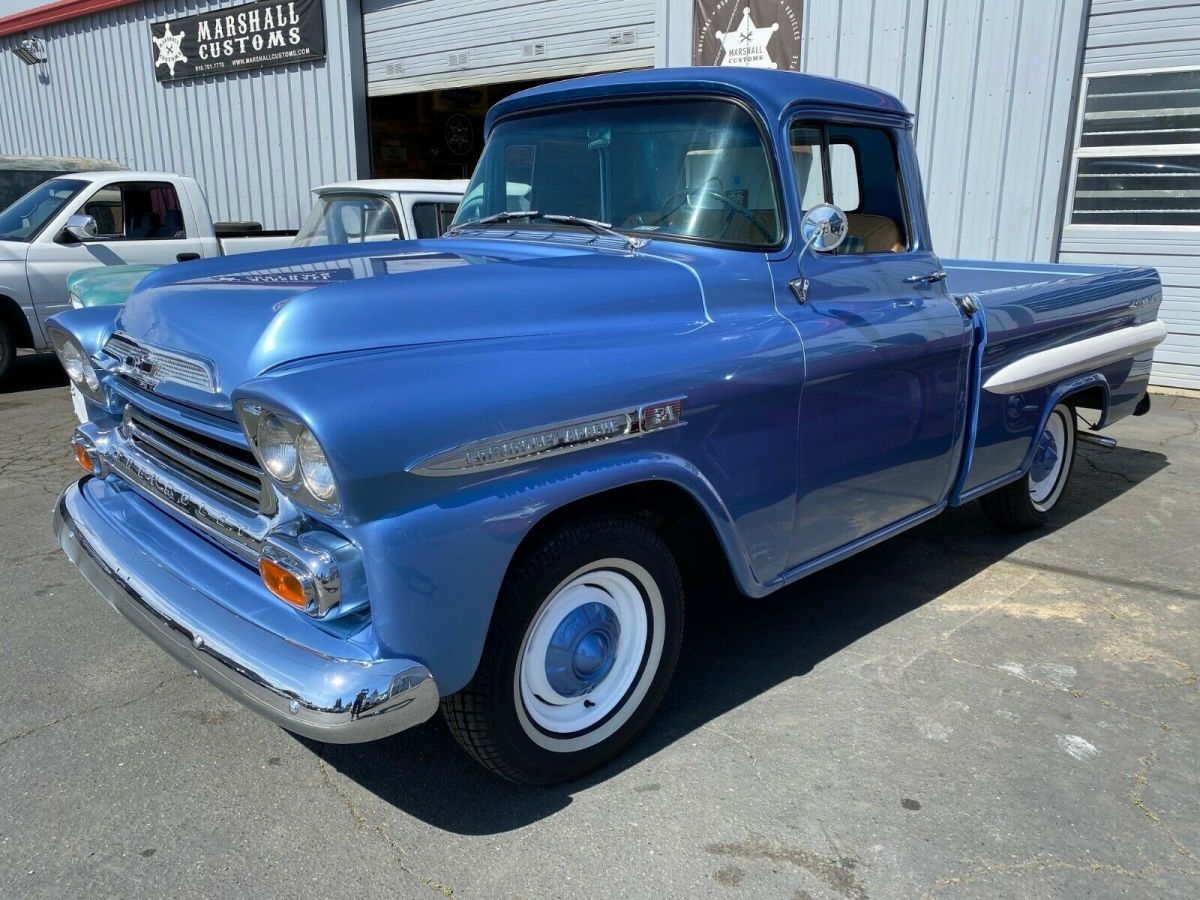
<point>137,222</point>
<point>885,345</point>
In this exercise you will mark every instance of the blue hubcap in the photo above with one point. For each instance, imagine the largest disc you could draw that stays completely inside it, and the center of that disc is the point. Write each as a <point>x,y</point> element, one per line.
<point>1045,458</point>
<point>583,649</point>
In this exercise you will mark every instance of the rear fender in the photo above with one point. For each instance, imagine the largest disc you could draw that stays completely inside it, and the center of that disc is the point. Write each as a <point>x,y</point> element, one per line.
<point>1064,391</point>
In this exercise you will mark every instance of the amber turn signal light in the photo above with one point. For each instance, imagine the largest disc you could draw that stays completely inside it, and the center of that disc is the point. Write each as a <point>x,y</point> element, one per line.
<point>282,583</point>
<point>84,458</point>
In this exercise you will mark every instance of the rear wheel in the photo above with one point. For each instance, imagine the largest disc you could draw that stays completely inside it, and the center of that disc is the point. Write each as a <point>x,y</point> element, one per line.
<point>582,646</point>
<point>8,351</point>
<point>1027,503</point>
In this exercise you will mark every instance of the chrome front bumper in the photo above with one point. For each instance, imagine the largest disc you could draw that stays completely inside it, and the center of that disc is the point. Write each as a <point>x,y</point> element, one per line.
<point>305,691</point>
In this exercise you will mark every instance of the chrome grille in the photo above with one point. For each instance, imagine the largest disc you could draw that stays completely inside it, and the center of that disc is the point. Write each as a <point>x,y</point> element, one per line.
<point>226,470</point>
<point>150,366</point>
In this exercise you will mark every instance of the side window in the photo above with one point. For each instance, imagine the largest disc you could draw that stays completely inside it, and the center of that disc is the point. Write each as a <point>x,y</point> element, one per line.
<point>855,168</point>
<point>432,219</point>
<point>137,211</point>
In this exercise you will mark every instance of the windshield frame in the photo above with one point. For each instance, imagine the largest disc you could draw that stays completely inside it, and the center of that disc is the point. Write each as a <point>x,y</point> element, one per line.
<point>80,186</point>
<point>342,193</point>
<point>764,134</point>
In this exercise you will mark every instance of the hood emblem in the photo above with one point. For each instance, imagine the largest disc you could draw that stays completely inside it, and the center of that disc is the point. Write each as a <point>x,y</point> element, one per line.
<point>149,366</point>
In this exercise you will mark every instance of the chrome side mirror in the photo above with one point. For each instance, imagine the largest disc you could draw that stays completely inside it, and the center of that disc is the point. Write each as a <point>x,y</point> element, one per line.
<point>81,227</point>
<point>824,228</point>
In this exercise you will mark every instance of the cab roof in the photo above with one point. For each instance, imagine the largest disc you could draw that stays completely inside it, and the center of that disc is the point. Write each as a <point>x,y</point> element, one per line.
<point>769,91</point>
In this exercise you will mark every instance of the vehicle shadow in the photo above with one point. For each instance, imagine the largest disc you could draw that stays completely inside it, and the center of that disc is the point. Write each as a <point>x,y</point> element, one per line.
<point>734,650</point>
<point>33,372</point>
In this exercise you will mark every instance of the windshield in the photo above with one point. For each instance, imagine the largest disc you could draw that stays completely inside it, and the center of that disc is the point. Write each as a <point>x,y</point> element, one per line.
<point>691,169</point>
<point>348,219</point>
<point>25,219</point>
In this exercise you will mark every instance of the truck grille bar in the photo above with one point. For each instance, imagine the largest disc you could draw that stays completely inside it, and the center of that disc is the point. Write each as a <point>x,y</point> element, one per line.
<point>230,472</point>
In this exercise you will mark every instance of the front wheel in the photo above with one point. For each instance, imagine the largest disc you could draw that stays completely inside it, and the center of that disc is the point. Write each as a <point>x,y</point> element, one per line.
<point>1027,503</point>
<point>582,645</point>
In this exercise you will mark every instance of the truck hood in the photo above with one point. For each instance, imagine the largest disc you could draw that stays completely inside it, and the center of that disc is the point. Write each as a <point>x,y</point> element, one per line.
<point>247,315</point>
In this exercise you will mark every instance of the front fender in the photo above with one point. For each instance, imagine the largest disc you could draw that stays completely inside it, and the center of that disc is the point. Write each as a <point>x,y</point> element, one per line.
<point>90,327</point>
<point>434,572</point>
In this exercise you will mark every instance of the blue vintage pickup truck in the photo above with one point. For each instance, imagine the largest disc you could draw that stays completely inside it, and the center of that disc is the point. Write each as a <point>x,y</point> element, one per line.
<point>359,483</point>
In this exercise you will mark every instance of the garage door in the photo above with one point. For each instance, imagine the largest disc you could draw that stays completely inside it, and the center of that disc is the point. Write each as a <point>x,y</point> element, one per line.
<point>1135,186</point>
<point>423,45</point>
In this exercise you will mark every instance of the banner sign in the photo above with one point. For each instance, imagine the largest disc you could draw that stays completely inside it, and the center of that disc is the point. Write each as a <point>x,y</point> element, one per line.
<point>237,38</point>
<point>764,34</point>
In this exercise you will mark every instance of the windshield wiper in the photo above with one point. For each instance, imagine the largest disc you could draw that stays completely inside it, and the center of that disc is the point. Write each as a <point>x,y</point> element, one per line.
<point>511,215</point>
<point>495,219</point>
<point>598,227</point>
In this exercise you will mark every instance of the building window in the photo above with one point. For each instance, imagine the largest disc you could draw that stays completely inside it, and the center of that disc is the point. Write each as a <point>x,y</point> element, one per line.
<point>1137,160</point>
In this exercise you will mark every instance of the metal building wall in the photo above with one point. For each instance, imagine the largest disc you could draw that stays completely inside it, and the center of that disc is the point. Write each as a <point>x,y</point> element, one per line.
<point>992,84</point>
<point>257,142</point>
<point>1126,36</point>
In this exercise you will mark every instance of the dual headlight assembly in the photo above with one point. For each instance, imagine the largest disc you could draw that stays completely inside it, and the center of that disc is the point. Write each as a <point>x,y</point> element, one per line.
<point>290,454</point>
<point>75,363</point>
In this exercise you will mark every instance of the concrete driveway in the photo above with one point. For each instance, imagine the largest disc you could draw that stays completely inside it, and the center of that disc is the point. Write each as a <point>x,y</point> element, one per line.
<point>957,713</point>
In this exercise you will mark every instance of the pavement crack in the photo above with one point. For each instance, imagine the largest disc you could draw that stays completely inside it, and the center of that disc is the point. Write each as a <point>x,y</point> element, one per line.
<point>67,717</point>
<point>1137,794</point>
<point>1042,864</point>
<point>1091,461</point>
<point>361,820</point>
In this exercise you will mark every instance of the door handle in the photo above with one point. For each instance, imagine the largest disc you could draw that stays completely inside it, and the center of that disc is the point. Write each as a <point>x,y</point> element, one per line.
<point>186,257</point>
<point>931,278</point>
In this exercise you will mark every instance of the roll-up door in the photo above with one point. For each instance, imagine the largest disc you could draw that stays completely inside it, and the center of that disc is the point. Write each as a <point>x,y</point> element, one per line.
<point>423,45</point>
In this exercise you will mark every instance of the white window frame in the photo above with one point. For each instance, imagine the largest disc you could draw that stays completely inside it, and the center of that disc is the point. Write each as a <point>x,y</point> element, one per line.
<point>1078,153</point>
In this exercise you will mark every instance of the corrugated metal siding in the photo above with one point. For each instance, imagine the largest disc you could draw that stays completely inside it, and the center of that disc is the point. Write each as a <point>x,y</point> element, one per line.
<point>1149,34</point>
<point>1142,34</point>
<point>257,142</point>
<point>420,45</point>
<point>992,84</point>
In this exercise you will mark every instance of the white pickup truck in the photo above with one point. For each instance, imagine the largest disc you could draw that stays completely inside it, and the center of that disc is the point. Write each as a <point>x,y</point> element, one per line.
<point>106,218</point>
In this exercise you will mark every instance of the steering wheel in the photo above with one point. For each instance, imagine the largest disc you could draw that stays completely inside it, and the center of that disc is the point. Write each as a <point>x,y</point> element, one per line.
<point>679,199</point>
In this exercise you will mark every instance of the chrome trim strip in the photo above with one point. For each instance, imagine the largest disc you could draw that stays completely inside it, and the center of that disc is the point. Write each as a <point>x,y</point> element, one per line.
<point>247,492</point>
<point>251,472</point>
<point>518,447</point>
<point>1051,366</point>
<point>178,495</point>
<point>306,692</point>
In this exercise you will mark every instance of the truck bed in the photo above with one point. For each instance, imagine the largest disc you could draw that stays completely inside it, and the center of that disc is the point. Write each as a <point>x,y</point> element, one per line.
<point>974,276</point>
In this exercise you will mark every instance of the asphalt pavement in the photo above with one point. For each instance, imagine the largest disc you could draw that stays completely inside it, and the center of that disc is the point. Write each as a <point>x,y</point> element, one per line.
<point>955,713</point>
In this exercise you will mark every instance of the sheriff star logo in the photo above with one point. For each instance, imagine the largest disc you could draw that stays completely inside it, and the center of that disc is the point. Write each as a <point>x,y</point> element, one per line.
<point>169,53</point>
<point>748,45</point>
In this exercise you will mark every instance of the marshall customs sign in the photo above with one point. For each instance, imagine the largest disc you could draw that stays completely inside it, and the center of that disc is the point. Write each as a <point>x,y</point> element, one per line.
<point>764,34</point>
<point>236,38</point>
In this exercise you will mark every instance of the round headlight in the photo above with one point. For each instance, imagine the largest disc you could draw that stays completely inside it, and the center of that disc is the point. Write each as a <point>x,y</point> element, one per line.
<point>276,448</point>
<point>318,477</point>
<point>73,361</point>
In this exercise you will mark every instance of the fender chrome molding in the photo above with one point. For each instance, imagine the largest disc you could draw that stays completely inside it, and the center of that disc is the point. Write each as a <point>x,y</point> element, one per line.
<point>1050,366</point>
<point>551,440</point>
